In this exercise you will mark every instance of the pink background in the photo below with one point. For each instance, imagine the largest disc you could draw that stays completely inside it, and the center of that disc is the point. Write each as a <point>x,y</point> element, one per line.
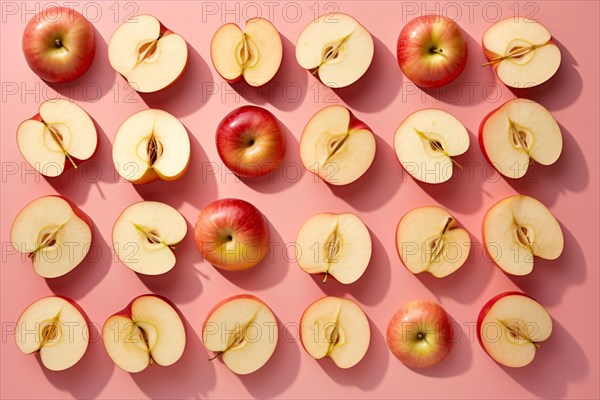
<point>566,366</point>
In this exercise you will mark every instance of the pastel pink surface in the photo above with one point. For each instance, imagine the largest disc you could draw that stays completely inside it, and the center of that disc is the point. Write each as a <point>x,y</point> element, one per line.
<point>567,365</point>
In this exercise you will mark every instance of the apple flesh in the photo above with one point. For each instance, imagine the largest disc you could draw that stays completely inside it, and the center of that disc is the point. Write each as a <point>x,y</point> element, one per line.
<point>429,240</point>
<point>336,146</point>
<point>420,334</point>
<point>250,142</point>
<point>149,330</point>
<point>60,131</point>
<point>59,44</point>
<point>426,142</point>
<point>336,328</point>
<point>54,233</point>
<point>145,236</point>
<point>336,48</point>
<point>518,133</point>
<point>232,234</point>
<point>518,228</point>
<point>254,55</point>
<point>56,328</point>
<point>521,52</point>
<point>432,51</point>
<point>147,54</point>
<point>510,328</point>
<point>151,144</point>
<point>334,244</point>
<point>242,331</point>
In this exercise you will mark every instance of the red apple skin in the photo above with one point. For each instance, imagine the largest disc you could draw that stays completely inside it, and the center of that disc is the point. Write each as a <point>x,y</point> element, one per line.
<point>488,306</point>
<point>420,312</point>
<point>415,51</point>
<point>227,300</point>
<point>231,220</point>
<point>250,141</point>
<point>44,55</point>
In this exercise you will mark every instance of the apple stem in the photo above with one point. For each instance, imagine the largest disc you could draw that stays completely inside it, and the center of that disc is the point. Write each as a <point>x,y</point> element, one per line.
<point>437,248</point>
<point>438,51</point>
<point>325,278</point>
<point>217,355</point>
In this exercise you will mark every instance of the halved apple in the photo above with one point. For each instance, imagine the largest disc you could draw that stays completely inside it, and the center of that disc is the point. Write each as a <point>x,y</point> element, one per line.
<point>426,141</point>
<point>56,328</point>
<point>334,244</point>
<point>521,51</point>
<point>510,328</point>
<point>429,240</point>
<point>242,330</point>
<point>336,48</point>
<point>54,233</point>
<point>60,131</point>
<point>518,133</point>
<point>145,235</point>
<point>151,144</point>
<point>336,146</point>
<point>336,328</point>
<point>518,228</point>
<point>254,55</point>
<point>147,54</point>
<point>149,330</point>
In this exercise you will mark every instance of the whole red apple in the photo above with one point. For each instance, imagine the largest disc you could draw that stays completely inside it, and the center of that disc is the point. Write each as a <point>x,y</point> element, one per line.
<point>432,51</point>
<point>420,334</point>
<point>232,234</point>
<point>59,44</point>
<point>250,141</point>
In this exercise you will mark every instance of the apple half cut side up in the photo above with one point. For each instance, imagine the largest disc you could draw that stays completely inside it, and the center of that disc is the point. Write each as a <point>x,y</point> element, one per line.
<point>517,134</point>
<point>60,131</point>
<point>510,328</point>
<point>521,51</point>
<point>426,142</point>
<point>518,228</point>
<point>55,328</point>
<point>336,328</point>
<point>242,331</point>
<point>334,244</point>
<point>151,144</point>
<point>336,48</point>
<point>54,233</point>
<point>336,146</point>
<point>148,331</point>
<point>429,240</point>
<point>145,236</point>
<point>148,55</point>
<point>254,55</point>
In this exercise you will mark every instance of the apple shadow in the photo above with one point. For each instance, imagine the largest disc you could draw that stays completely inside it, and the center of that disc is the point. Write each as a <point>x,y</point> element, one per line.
<point>189,93</point>
<point>286,175</point>
<point>569,269</point>
<point>285,91</point>
<point>182,284</point>
<point>465,284</point>
<point>190,377</point>
<point>96,82</point>
<point>370,93</point>
<point>462,91</point>
<point>464,184</point>
<point>377,179</point>
<point>88,174</point>
<point>377,275</point>
<point>88,274</point>
<point>187,189</point>
<point>546,182</point>
<point>567,81</point>
<point>280,371</point>
<point>270,271</point>
<point>459,359</point>
<point>557,365</point>
<point>87,378</point>
<point>369,372</point>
